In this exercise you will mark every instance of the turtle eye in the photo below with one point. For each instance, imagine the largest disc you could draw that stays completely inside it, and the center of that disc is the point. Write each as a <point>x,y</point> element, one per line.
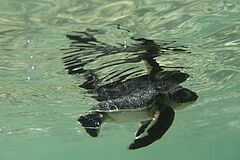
<point>185,94</point>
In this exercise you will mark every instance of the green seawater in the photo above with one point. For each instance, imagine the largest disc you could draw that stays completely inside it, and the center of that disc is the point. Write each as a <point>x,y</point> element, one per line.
<point>40,102</point>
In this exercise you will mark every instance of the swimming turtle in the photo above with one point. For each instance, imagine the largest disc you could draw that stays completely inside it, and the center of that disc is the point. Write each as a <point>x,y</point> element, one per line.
<point>153,104</point>
<point>150,99</point>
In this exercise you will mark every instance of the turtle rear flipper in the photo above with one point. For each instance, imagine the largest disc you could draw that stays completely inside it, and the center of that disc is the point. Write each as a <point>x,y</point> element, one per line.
<point>91,123</point>
<point>154,129</point>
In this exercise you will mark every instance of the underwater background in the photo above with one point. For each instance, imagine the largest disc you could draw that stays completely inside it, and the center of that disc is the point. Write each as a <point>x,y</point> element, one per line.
<point>40,102</point>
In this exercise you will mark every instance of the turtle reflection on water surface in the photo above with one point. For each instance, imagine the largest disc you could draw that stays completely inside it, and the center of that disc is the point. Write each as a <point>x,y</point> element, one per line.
<point>150,99</point>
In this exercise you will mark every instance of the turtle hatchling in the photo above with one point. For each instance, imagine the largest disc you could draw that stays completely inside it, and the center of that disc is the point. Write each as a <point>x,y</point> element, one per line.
<point>150,99</point>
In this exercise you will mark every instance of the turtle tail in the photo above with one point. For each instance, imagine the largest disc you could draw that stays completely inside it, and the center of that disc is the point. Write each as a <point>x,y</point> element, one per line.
<point>91,123</point>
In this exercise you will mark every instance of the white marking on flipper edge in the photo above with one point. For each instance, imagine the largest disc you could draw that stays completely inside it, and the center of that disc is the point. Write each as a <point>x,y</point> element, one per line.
<point>88,127</point>
<point>145,133</point>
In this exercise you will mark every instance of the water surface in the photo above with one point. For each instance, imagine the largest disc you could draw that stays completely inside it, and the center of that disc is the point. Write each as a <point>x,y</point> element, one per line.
<point>40,102</point>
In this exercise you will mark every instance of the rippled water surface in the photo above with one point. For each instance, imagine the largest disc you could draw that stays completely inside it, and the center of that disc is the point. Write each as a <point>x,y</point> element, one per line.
<point>40,102</point>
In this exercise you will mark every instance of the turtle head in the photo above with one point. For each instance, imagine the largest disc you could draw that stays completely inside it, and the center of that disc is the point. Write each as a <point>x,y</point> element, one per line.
<point>182,97</point>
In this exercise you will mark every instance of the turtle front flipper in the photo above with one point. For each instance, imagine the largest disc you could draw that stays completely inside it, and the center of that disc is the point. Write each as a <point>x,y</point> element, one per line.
<point>154,129</point>
<point>91,123</point>
<point>142,128</point>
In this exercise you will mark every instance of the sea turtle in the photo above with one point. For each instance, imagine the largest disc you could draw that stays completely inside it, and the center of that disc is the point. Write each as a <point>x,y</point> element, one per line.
<point>153,104</point>
<point>150,98</point>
